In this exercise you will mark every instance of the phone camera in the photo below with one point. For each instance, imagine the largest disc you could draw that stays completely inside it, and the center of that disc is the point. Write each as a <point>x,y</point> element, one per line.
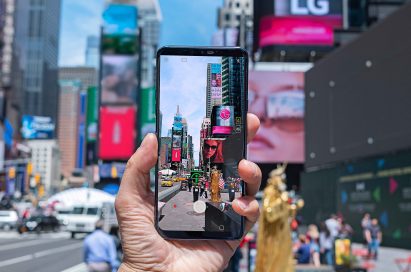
<point>210,52</point>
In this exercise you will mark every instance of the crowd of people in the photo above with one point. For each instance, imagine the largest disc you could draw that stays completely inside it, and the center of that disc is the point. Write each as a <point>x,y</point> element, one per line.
<point>316,245</point>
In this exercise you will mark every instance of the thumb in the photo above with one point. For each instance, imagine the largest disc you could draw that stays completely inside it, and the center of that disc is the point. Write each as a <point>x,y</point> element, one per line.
<point>135,183</point>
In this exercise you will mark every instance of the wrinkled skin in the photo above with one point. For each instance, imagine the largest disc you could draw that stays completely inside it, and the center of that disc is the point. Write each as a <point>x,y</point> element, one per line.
<point>144,249</point>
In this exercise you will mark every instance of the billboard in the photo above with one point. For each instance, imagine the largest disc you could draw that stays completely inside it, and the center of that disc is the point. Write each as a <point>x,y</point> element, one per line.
<point>222,120</point>
<point>176,155</point>
<point>276,96</point>
<point>120,19</point>
<point>119,44</point>
<point>92,114</point>
<point>147,111</point>
<point>37,127</point>
<point>295,31</point>
<point>329,11</point>
<point>119,81</point>
<point>117,136</point>
<point>81,130</point>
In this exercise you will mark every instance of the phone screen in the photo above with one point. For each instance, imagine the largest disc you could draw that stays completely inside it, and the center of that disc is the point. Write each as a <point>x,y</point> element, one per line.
<point>202,111</point>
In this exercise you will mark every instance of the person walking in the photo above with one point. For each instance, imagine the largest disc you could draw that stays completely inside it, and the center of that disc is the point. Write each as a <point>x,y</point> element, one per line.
<point>190,184</point>
<point>100,253</point>
<point>365,225</point>
<point>326,245</point>
<point>374,237</point>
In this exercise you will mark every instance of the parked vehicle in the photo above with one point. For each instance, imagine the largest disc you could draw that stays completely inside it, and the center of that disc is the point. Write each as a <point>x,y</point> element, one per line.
<point>8,219</point>
<point>39,223</point>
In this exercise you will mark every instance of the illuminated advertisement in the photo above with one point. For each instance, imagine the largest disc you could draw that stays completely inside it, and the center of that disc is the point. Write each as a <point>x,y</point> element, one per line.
<point>120,19</point>
<point>120,44</point>
<point>277,98</point>
<point>81,130</point>
<point>222,120</point>
<point>329,11</point>
<point>117,135</point>
<point>176,141</point>
<point>147,111</point>
<point>212,151</point>
<point>295,31</point>
<point>37,127</point>
<point>119,80</point>
<point>176,155</point>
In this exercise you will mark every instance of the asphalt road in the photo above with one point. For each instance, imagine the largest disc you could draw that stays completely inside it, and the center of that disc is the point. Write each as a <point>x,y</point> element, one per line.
<point>50,252</point>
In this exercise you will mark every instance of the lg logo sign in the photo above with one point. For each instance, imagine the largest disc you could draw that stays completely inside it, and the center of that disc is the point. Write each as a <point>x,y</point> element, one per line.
<point>310,7</point>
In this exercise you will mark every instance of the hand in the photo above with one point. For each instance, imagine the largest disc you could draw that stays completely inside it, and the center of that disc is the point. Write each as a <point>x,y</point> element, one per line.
<point>144,249</point>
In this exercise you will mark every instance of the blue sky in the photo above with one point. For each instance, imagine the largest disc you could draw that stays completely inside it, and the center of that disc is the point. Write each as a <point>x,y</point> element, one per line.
<point>185,22</point>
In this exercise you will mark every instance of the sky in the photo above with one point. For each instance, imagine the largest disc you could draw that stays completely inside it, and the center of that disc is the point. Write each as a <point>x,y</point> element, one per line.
<point>188,78</point>
<point>185,22</point>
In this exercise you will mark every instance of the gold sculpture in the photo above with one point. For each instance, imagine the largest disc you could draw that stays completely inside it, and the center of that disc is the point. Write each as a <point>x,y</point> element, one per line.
<point>215,188</point>
<point>274,245</point>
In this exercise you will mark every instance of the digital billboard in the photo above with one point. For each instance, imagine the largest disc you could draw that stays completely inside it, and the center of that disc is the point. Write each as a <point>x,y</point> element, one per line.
<point>81,130</point>
<point>295,31</point>
<point>120,19</point>
<point>119,81</point>
<point>117,136</point>
<point>37,127</point>
<point>276,96</point>
<point>176,155</point>
<point>120,44</point>
<point>147,111</point>
<point>222,120</point>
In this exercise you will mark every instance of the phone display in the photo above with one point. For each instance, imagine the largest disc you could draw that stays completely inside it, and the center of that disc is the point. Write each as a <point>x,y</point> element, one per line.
<point>201,128</point>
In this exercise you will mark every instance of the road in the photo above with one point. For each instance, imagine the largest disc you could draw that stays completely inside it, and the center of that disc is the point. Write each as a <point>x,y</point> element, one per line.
<point>49,252</point>
<point>161,188</point>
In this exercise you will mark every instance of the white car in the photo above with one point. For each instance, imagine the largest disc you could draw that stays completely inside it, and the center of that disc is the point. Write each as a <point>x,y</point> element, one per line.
<point>8,219</point>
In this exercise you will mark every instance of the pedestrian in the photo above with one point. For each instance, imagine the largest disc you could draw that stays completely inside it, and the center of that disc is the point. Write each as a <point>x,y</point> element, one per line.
<point>326,245</point>
<point>100,252</point>
<point>190,184</point>
<point>374,237</point>
<point>116,238</point>
<point>333,225</point>
<point>203,189</point>
<point>346,231</point>
<point>313,236</point>
<point>196,191</point>
<point>365,225</point>
<point>303,253</point>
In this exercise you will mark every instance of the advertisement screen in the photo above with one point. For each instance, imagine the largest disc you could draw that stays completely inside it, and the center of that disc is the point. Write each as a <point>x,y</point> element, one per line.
<point>37,127</point>
<point>295,31</point>
<point>176,155</point>
<point>277,98</point>
<point>147,111</point>
<point>119,80</point>
<point>120,44</point>
<point>117,135</point>
<point>120,19</point>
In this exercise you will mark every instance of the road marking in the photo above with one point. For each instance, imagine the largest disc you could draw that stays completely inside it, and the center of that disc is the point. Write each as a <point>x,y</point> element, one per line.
<point>40,254</point>
<point>77,268</point>
<point>25,244</point>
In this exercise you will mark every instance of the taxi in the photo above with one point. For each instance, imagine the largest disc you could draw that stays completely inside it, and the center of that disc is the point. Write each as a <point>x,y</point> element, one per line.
<point>166,183</point>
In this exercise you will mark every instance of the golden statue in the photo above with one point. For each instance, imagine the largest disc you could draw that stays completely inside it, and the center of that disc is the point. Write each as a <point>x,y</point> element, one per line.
<point>274,245</point>
<point>215,188</point>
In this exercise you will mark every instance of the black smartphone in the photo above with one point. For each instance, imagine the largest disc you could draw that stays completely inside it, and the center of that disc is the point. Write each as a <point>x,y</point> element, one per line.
<point>201,108</point>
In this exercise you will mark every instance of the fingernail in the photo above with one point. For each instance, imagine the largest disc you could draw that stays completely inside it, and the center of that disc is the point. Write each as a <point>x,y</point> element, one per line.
<point>145,140</point>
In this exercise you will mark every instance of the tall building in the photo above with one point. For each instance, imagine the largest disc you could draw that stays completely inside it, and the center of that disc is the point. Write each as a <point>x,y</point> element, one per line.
<point>93,52</point>
<point>68,120</point>
<point>86,76</point>
<point>45,156</point>
<point>232,78</point>
<point>35,73</point>
<point>238,14</point>
<point>213,92</point>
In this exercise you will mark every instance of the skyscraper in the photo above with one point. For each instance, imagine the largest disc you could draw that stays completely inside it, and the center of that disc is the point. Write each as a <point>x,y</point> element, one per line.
<point>87,76</point>
<point>93,52</point>
<point>232,79</point>
<point>35,84</point>
<point>213,92</point>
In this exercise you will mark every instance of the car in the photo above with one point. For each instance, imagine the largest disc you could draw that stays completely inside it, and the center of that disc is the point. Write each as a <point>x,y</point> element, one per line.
<point>39,223</point>
<point>166,183</point>
<point>8,219</point>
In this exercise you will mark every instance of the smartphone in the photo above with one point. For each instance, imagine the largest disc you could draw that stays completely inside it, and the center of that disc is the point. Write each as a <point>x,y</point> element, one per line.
<point>201,108</point>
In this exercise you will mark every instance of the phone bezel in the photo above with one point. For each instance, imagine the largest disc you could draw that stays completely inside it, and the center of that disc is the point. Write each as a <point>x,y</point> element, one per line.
<point>200,51</point>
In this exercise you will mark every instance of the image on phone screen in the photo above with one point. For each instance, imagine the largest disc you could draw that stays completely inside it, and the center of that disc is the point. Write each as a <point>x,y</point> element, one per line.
<point>202,140</point>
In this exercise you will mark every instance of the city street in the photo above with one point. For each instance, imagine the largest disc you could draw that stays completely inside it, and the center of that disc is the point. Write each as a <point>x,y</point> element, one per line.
<point>49,252</point>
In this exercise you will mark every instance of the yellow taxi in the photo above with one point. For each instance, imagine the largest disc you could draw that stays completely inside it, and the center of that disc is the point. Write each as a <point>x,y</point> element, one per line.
<point>166,183</point>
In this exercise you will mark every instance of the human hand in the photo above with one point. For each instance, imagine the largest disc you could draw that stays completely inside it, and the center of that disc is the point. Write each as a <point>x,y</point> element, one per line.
<point>144,249</point>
